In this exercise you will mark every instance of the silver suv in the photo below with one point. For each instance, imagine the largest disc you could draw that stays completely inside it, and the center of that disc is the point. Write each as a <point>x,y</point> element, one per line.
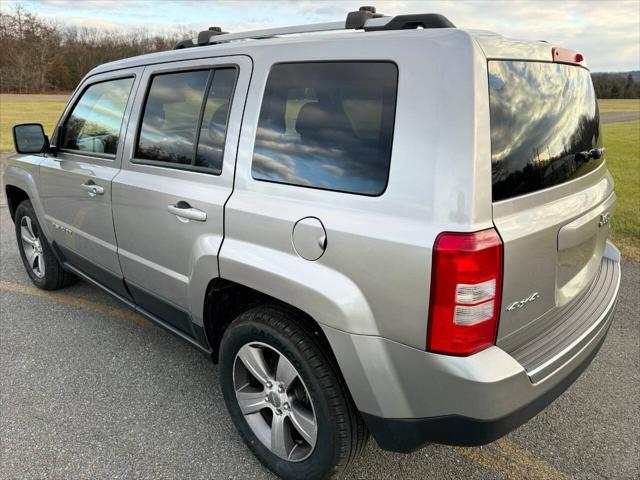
<point>399,227</point>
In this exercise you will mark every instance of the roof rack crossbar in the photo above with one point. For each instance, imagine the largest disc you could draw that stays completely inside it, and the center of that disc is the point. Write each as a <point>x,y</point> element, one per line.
<point>365,19</point>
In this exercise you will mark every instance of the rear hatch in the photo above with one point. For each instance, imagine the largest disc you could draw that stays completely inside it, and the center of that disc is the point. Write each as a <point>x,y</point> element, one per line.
<point>552,193</point>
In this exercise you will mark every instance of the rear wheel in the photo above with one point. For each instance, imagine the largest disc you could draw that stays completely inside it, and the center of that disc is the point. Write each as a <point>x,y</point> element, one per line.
<point>286,397</point>
<point>39,261</point>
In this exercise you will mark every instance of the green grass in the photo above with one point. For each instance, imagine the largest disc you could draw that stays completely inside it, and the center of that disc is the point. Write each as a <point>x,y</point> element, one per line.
<point>616,105</point>
<point>623,160</point>
<point>14,109</point>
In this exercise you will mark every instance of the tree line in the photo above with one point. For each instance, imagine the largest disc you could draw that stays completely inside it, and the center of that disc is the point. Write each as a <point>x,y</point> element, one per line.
<point>615,85</point>
<point>39,56</point>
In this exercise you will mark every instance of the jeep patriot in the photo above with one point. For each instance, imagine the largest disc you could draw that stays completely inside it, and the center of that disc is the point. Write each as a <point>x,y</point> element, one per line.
<point>382,226</point>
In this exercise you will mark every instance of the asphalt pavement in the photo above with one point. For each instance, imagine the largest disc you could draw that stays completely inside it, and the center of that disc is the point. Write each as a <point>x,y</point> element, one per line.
<point>613,117</point>
<point>88,389</point>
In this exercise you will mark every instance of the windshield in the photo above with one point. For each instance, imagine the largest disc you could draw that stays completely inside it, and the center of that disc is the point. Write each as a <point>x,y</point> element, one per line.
<point>544,126</point>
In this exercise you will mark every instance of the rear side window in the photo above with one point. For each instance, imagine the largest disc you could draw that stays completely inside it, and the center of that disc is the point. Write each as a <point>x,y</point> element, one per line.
<point>544,124</point>
<point>327,125</point>
<point>94,123</point>
<point>185,119</point>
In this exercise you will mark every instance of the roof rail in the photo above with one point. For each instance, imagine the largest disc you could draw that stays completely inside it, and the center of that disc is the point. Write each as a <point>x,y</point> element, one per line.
<point>365,19</point>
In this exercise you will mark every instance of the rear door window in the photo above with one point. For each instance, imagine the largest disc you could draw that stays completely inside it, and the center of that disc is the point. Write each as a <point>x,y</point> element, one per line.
<point>544,124</point>
<point>171,114</point>
<point>185,119</point>
<point>327,125</point>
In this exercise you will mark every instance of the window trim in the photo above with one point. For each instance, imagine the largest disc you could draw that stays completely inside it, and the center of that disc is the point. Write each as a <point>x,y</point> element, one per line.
<point>393,127</point>
<point>84,153</point>
<point>183,166</point>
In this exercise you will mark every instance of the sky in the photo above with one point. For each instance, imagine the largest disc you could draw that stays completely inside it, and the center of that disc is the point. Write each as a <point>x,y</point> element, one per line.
<point>607,32</point>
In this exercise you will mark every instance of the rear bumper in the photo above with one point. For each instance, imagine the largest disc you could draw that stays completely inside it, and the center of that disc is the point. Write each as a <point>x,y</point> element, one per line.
<point>409,397</point>
<point>408,434</point>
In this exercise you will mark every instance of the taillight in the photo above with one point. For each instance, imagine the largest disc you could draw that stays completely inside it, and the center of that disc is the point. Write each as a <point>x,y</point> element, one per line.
<point>466,282</point>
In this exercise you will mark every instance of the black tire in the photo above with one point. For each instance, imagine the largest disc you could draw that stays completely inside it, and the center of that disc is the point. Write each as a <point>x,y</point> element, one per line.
<point>54,276</point>
<point>341,433</point>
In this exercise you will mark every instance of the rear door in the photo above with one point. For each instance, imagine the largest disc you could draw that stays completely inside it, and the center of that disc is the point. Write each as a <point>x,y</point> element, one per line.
<point>552,192</point>
<point>177,175</point>
<point>76,183</point>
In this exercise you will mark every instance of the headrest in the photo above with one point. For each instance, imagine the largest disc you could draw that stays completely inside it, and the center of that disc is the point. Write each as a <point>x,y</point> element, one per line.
<point>323,122</point>
<point>220,115</point>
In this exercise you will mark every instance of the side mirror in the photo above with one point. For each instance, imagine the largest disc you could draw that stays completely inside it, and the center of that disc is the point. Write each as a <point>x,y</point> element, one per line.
<point>30,138</point>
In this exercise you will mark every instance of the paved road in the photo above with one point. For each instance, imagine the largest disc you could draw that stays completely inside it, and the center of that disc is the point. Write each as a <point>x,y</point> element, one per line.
<point>89,389</point>
<point>613,117</point>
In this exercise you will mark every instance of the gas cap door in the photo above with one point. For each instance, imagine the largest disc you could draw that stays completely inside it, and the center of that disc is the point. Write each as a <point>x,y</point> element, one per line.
<point>309,238</point>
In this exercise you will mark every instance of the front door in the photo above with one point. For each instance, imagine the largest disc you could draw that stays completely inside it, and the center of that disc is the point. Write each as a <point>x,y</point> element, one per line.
<point>76,184</point>
<point>177,174</point>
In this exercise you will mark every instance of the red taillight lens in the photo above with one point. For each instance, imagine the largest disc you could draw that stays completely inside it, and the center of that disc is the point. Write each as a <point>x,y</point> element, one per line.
<point>466,283</point>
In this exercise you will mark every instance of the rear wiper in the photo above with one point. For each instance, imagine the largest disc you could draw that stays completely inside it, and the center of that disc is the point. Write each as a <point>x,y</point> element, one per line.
<point>594,153</point>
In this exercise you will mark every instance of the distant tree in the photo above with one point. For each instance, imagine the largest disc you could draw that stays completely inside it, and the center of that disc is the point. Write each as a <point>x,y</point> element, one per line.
<point>38,56</point>
<point>630,89</point>
<point>616,85</point>
<point>616,91</point>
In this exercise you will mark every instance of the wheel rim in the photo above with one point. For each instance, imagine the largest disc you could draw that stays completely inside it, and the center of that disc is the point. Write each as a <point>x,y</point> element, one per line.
<point>32,246</point>
<point>275,401</point>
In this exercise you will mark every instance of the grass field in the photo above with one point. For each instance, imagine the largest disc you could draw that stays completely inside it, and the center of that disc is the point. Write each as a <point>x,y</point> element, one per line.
<point>619,105</point>
<point>623,160</point>
<point>44,109</point>
<point>621,139</point>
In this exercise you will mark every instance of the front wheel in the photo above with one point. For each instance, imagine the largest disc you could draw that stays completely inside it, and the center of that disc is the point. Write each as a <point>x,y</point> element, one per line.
<point>41,264</point>
<point>286,397</point>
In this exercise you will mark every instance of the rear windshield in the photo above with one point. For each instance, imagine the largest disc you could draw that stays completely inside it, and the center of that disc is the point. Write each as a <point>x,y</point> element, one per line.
<point>544,124</point>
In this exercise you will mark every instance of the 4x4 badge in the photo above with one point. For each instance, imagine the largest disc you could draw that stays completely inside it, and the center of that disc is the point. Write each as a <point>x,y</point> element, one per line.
<point>604,219</point>
<point>521,303</point>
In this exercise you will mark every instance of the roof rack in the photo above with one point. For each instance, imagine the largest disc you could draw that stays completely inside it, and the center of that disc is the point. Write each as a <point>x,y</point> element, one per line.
<point>365,19</point>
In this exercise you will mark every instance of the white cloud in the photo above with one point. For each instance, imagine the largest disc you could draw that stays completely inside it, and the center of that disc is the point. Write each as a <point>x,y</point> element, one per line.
<point>606,32</point>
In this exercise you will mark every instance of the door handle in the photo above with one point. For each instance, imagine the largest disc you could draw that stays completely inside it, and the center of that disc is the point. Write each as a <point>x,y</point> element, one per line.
<point>184,211</point>
<point>92,189</point>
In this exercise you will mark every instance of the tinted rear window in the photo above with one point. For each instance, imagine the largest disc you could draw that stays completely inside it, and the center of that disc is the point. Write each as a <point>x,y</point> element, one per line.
<point>185,119</point>
<point>327,125</point>
<point>544,118</point>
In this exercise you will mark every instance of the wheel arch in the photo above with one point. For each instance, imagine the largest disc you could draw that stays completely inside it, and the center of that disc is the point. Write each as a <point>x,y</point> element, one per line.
<point>225,300</point>
<point>20,178</point>
<point>15,196</point>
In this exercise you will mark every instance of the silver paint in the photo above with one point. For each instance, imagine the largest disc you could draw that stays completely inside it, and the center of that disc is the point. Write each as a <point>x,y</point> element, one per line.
<point>368,283</point>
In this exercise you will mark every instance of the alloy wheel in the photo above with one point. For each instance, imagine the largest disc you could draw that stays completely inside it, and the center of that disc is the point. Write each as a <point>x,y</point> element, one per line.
<point>32,246</point>
<point>275,401</point>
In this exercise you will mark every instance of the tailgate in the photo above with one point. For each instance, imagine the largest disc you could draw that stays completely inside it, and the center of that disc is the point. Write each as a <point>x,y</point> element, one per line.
<point>552,193</point>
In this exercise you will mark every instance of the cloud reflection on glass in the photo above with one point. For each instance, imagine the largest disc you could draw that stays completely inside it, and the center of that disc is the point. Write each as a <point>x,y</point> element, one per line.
<point>94,124</point>
<point>327,125</point>
<point>172,121</point>
<point>544,117</point>
<point>171,117</point>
